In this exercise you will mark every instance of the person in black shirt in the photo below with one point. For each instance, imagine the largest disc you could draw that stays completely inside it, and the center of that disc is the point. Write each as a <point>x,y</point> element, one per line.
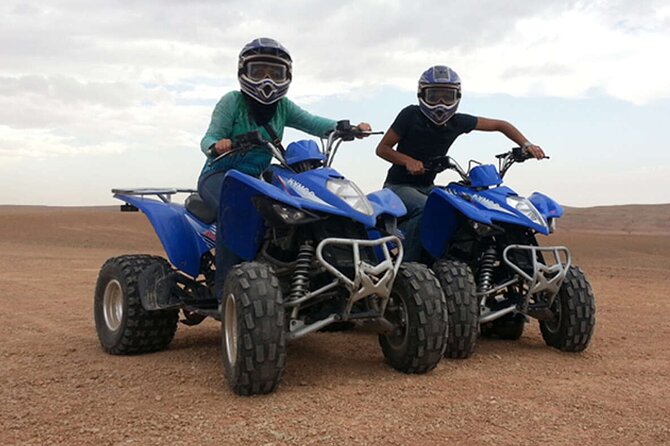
<point>426,131</point>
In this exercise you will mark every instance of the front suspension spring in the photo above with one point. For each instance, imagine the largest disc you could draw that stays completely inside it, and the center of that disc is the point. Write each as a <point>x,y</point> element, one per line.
<point>486,267</point>
<point>300,278</point>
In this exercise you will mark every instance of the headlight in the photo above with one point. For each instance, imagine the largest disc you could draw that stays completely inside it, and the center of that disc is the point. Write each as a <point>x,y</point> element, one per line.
<point>351,195</point>
<point>278,213</point>
<point>524,206</point>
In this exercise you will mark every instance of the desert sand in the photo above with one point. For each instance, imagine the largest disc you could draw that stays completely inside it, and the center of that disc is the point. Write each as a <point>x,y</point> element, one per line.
<point>57,386</point>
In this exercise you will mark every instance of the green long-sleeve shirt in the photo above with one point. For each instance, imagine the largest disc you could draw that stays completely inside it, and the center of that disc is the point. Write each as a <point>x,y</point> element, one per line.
<point>230,118</point>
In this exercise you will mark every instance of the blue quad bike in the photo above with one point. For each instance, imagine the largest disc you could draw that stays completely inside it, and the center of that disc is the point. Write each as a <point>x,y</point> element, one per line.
<point>317,253</point>
<point>480,238</point>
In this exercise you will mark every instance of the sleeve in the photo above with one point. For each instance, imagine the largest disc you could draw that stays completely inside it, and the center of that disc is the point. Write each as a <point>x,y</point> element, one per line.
<point>403,121</point>
<point>300,119</point>
<point>466,123</point>
<point>221,125</point>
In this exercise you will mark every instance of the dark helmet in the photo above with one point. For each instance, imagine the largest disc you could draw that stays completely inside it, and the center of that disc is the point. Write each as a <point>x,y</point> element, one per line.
<point>264,70</point>
<point>439,93</point>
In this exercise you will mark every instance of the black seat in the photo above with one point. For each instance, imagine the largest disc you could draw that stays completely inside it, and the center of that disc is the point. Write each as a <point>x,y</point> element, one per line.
<point>197,206</point>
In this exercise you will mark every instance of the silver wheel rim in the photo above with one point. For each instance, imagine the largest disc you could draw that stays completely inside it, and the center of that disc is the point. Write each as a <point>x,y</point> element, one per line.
<point>112,305</point>
<point>230,328</point>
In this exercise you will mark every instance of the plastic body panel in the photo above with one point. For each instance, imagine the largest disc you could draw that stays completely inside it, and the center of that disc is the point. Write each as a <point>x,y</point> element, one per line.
<point>449,206</point>
<point>184,238</point>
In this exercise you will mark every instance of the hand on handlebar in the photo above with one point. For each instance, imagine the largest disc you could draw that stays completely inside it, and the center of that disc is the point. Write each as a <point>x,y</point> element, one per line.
<point>534,151</point>
<point>362,130</point>
<point>223,146</point>
<point>415,167</point>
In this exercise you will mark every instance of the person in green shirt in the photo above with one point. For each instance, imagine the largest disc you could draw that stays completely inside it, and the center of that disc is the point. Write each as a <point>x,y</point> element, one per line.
<point>264,73</point>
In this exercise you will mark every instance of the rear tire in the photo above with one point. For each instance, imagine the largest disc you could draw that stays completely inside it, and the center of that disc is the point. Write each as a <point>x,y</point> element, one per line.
<point>575,314</point>
<point>124,327</point>
<point>252,329</point>
<point>458,284</point>
<point>418,308</point>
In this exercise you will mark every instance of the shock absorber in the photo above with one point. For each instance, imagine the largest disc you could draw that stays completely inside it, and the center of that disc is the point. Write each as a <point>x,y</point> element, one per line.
<point>300,278</point>
<point>486,267</point>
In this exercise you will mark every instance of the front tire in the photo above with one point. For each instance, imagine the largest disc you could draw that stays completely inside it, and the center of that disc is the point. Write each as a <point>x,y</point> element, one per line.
<point>252,329</point>
<point>418,310</point>
<point>575,314</point>
<point>458,284</point>
<point>124,327</point>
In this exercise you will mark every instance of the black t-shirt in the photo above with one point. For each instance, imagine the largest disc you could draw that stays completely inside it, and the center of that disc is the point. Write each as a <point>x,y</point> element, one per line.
<point>421,139</point>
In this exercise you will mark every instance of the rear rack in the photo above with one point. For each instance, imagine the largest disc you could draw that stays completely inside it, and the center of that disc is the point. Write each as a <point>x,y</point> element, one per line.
<point>164,193</point>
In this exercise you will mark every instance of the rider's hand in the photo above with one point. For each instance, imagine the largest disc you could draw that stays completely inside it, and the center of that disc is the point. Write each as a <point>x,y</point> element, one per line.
<point>415,167</point>
<point>222,146</point>
<point>363,127</point>
<point>535,151</point>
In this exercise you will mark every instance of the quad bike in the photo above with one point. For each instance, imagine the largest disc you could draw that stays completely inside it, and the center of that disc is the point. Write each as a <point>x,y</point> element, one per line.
<point>480,238</point>
<point>316,252</point>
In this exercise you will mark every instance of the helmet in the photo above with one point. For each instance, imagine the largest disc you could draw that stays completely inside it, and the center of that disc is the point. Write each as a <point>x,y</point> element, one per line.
<point>264,70</point>
<point>439,93</point>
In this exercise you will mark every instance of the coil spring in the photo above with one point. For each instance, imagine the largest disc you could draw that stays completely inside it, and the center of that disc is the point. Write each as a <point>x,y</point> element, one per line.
<point>487,265</point>
<point>300,278</point>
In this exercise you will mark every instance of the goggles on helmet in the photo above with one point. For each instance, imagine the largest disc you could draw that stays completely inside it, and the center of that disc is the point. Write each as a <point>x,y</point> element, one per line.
<point>444,95</point>
<point>259,70</point>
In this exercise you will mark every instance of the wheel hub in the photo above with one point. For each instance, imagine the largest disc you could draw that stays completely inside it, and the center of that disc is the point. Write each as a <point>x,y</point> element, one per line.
<point>112,305</point>
<point>230,328</point>
<point>396,313</point>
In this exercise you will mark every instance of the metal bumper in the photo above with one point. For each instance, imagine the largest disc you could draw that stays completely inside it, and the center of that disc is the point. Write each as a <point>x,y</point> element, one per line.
<point>544,278</point>
<point>368,280</point>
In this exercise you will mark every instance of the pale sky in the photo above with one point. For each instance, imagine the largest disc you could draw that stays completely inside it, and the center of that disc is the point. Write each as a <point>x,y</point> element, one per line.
<point>102,94</point>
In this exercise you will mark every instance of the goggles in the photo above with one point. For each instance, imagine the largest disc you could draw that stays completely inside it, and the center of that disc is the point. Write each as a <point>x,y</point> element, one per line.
<point>259,70</point>
<point>444,95</point>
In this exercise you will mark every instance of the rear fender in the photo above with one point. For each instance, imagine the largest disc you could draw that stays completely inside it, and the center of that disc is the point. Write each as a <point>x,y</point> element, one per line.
<point>178,233</point>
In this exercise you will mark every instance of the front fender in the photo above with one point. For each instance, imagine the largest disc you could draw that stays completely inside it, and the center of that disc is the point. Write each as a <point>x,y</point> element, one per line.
<point>439,222</point>
<point>180,239</point>
<point>385,201</point>
<point>546,206</point>
<point>242,226</point>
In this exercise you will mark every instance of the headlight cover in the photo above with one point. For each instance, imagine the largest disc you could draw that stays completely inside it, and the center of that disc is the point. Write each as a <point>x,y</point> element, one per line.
<point>524,206</point>
<point>351,195</point>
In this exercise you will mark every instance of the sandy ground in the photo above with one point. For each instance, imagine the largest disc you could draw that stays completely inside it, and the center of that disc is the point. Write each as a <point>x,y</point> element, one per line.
<point>58,387</point>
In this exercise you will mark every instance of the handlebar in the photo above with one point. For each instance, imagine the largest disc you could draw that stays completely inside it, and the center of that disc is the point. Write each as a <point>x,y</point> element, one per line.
<point>242,143</point>
<point>517,155</point>
<point>505,161</point>
<point>344,131</point>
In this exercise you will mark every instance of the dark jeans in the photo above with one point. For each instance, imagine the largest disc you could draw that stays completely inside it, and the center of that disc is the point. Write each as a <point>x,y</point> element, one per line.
<point>414,198</point>
<point>209,188</point>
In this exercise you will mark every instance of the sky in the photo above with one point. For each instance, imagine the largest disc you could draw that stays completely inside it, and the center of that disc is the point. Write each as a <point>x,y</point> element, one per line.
<point>102,94</point>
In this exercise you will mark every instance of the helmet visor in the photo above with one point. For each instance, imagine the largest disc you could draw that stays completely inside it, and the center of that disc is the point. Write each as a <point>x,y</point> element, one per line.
<point>444,95</point>
<point>259,70</point>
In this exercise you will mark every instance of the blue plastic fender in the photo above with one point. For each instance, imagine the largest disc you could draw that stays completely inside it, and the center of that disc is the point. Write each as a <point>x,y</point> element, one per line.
<point>546,206</point>
<point>439,222</point>
<point>178,232</point>
<point>385,201</point>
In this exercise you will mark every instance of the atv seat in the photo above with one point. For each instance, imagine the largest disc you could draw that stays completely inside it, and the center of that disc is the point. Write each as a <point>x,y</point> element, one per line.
<point>197,206</point>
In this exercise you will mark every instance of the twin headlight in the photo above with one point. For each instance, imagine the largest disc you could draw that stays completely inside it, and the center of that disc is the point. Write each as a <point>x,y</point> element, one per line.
<point>351,195</point>
<point>524,206</point>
